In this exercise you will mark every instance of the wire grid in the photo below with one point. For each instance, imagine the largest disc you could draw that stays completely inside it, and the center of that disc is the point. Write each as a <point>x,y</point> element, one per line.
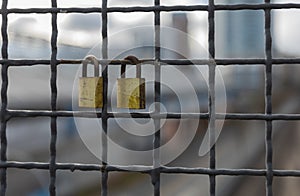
<point>212,171</point>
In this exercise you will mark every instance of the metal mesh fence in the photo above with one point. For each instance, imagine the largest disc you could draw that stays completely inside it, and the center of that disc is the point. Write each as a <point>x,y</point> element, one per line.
<point>53,166</point>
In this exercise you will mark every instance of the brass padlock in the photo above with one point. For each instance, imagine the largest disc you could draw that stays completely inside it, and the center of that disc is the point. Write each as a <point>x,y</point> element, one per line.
<point>90,88</point>
<point>131,91</point>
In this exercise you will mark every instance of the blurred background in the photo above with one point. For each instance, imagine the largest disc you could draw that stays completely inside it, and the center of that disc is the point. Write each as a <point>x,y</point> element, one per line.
<point>239,34</point>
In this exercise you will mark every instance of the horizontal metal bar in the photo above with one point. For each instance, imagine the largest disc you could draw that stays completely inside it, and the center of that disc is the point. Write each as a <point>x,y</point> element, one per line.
<point>229,172</point>
<point>207,171</point>
<point>150,8</point>
<point>147,169</point>
<point>286,173</point>
<point>214,62</point>
<point>97,114</point>
<point>24,165</point>
<point>23,62</point>
<point>52,10</point>
<point>159,8</point>
<point>58,166</point>
<point>257,6</point>
<point>164,62</point>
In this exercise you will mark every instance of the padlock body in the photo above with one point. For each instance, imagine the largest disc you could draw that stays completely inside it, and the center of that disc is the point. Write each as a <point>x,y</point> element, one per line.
<point>131,93</point>
<point>91,92</point>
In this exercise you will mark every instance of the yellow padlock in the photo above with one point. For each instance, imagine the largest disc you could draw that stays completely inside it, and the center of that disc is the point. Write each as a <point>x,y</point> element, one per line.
<point>131,91</point>
<point>90,88</point>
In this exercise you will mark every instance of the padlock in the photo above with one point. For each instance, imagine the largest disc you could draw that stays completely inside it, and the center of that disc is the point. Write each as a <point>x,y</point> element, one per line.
<point>131,91</point>
<point>90,88</point>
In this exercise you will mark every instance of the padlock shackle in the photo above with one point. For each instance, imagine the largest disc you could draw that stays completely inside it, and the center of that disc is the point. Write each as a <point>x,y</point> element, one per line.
<point>134,61</point>
<point>90,60</point>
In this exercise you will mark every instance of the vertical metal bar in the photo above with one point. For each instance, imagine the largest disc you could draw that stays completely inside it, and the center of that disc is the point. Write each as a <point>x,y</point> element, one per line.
<point>53,84</point>
<point>4,48</point>
<point>3,126</point>
<point>155,176</point>
<point>4,74</point>
<point>268,101</point>
<point>211,107</point>
<point>104,117</point>
<point>157,32</point>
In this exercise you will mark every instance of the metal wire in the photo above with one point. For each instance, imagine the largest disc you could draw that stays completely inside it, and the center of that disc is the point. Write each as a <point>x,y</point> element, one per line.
<point>53,166</point>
